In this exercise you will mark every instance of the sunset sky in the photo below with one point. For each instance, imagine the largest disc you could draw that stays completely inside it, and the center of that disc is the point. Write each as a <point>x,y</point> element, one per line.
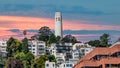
<point>84,19</point>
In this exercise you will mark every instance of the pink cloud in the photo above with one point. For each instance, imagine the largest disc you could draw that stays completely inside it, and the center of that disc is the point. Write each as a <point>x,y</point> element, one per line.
<point>22,23</point>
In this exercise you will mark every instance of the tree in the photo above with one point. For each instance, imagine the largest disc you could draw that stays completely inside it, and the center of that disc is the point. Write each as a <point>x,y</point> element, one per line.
<point>13,46</point>
<point>44,33</point>
<point>69,39</point>
<point>24,33</point>
<point>51,58</point>
<point>26,59</point>
<point>25,45</point>
<point>52,39</point>
<point>14,63</point>
<point>58,39</point>
<point>95,43</point>
<point>104,40</point>
<point>40,62</point>
<point>43,37</point>
<point>45,30</point>
<point>30,58</point>
<point>118,40</point>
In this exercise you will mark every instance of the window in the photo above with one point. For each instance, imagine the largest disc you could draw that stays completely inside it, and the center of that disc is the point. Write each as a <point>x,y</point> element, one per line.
<point>29,48</point>
<point>70,65</point>
<point>58,18</point>
<point>64,65</point>
<point>40,45</point>
<point>33,45</point>
<point>3,43</point>
<point>67,65</point>
<point>53,65</point>
<point>47,65</point>
<point>33,48</point>
<point>33,52</point>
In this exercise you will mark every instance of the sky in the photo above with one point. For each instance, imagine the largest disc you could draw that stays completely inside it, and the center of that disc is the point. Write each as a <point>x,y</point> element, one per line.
<point>84,19</point>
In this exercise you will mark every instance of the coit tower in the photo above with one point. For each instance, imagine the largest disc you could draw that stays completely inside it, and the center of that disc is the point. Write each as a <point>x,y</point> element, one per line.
<point>58,24</point>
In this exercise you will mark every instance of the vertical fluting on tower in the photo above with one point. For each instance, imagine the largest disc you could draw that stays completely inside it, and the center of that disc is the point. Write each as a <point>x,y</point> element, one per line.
<point>58,24</point>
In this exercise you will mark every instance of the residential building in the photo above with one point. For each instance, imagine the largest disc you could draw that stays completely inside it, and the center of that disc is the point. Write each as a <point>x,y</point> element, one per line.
<point>75,54</point>
<point>51,50</point>
<point>101,57</point>
<point>3,45</point>
<point>36,47</point>
<point>60,57</point>
<point>66,65</point>
<point>50,64</point>
<point>63,48</point>
<point>82,48</point>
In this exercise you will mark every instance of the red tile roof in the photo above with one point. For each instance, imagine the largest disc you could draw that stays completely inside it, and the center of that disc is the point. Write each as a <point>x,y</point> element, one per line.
<point>85,61</point>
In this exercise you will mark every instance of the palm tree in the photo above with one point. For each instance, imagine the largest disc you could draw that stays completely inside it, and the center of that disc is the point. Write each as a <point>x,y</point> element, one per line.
<point>24,33</point>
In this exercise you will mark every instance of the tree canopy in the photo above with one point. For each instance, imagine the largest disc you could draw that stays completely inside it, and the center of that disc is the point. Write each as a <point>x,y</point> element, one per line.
<point>40,62</point>
<point>26,59</point>
<point>13,46</point>
<point>69,39</point>
<point>25,45</point>
<point>103,42</point>
<point>14,63</point>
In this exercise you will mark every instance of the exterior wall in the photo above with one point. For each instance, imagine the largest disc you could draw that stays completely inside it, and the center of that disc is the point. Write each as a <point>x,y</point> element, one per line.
<point>36,47</point>
<point>60,57</point>
<point>3,45</point>
<point>52,49</point>
<point>50,64</point>
<point>81,45</point>
<point>66,65</point>
<point>75,54</point>
<point>81,49</point>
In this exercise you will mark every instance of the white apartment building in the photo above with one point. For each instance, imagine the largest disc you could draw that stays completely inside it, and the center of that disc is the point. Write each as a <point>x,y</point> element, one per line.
<point>60,57</point>
<point>81,49</point>
<point>50,64</point>
<point>75,54</point>
<point>66,65</point>
<point>3,45</point>
<point>52,49</point>
<point>36,47</point>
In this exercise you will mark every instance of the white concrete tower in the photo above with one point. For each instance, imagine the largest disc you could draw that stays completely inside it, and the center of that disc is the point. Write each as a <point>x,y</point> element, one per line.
<point>58,24</point>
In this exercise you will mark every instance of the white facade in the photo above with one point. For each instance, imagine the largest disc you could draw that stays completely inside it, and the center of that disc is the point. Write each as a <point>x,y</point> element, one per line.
<point>66,65</point>
<point>75,54</point>
<point>58,24</point>
<point>50,64</point>
<point>52,49</point>
<point>3,45</point>
<point>60,57</point>
<point>82,48</point>
<point>36,47</point>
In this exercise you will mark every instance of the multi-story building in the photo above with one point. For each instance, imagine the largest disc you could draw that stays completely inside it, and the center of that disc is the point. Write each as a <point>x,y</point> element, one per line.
<point>51,50</point>
<point>60,57</point>
<point>101,57</point>
<point>66,65</point>
<point>36,47</point>
<point>75,54</point>
<point>50,64</point>
<point>3,45</point>
<point>62,48</point>
<point>82,48</point>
